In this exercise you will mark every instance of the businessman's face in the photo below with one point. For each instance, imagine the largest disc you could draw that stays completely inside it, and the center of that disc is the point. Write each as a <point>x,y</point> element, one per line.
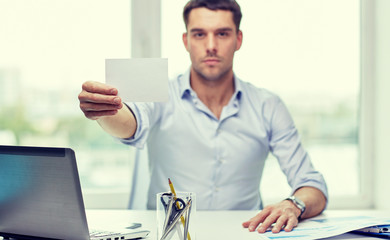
<point>211,41</point>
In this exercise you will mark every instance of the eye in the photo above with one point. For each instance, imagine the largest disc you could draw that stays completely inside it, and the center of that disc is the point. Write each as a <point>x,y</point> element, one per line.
<point>198,34</point>
<point>223,34</point>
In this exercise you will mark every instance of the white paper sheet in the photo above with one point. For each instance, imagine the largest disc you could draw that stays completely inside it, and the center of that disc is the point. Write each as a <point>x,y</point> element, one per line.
<point>139,79</point>
<point>325,226</point>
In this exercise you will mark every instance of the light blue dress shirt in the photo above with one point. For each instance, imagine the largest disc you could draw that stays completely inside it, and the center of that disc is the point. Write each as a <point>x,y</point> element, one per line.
<point>221,160</point>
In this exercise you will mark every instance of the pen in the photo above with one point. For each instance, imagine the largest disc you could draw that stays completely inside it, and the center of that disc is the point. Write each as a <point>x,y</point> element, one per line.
<point>375,229</point>
<point>183,221</point>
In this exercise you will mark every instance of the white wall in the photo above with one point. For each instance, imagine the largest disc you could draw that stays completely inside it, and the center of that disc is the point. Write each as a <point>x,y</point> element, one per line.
<point>382,104</point>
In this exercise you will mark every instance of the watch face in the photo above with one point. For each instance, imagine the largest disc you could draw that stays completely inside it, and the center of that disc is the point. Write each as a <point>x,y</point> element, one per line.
<point>299,203</point>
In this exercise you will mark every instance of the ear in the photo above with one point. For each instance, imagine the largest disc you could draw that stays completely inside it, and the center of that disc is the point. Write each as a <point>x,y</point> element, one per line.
<point>185,40</point>
<point>239,40</point>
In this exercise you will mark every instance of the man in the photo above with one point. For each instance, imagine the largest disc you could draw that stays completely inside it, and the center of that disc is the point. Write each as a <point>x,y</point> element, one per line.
<point>212,137</point>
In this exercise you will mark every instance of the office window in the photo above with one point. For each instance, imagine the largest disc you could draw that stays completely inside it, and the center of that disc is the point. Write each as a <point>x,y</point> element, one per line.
<point>307,52</point>
<point>48,48</point>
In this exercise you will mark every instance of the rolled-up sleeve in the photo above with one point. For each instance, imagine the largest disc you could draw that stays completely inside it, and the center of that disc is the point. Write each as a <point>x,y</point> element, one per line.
<point>143,115</point>
<point>286,146</point>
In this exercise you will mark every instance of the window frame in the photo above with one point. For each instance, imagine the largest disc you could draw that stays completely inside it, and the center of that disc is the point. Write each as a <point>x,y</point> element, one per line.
<point>145,43</point>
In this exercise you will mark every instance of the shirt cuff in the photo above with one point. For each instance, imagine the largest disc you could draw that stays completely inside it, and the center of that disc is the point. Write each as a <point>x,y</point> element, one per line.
<point>138,140</point>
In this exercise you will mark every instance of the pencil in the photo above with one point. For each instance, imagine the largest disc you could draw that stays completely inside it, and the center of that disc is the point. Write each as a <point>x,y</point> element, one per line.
<point>183,221</point>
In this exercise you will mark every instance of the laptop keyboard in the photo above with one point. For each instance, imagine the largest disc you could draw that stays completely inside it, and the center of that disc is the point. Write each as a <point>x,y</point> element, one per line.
<point>104,235</point>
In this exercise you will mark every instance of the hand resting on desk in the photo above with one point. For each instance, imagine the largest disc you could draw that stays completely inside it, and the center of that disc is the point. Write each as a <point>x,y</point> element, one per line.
<point>285,214</point>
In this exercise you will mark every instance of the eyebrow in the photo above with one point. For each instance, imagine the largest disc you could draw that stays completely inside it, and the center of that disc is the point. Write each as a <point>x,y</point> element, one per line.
<point>218,30</point>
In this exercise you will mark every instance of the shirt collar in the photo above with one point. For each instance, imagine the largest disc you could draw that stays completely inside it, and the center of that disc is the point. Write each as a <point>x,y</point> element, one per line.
<point>185,87</point>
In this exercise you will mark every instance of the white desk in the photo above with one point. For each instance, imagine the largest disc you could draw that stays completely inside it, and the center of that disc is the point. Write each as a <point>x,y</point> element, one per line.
<point>210,224</point>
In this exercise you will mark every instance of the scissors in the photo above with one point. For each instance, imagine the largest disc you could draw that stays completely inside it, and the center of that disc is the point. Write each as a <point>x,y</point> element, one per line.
<point>174,208</point>
<point>169,227</point>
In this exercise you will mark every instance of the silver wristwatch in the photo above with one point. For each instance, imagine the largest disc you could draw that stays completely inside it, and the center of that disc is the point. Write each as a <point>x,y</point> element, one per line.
<point>298,203</point>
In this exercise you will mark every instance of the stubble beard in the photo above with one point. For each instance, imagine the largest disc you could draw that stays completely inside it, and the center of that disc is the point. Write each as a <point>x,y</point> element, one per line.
<point>212,77</point>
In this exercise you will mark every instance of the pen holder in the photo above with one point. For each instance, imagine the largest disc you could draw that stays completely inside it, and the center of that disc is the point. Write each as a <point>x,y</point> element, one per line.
<point>176,216</point>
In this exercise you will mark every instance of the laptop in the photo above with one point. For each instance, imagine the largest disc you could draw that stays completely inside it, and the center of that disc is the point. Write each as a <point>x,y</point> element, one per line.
<point>41,198</point>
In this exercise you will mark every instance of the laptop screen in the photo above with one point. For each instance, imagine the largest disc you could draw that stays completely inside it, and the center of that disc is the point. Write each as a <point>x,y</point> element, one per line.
<point>40,194</point>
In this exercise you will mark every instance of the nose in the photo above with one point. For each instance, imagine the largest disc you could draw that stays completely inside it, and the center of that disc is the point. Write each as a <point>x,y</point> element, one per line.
<point>211,45</point>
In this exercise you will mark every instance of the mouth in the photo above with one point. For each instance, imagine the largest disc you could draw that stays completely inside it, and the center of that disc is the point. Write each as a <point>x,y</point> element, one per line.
<point>211,61</point>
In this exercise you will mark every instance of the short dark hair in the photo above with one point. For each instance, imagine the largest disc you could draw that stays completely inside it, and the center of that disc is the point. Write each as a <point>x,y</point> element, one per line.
<point>230,5</point>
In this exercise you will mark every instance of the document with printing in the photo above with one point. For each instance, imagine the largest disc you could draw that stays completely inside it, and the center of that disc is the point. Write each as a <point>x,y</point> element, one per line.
<point>328,225</point>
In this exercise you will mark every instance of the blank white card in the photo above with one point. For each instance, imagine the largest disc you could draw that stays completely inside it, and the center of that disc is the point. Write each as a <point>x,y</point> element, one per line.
<point>139,79</point>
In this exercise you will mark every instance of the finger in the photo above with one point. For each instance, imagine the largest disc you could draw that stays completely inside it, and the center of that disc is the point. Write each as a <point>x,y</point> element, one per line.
<point>99,98</point>
<point>256,220</point>
<point>98,87</point>
<point>291,223</point>
<point>280,223</point>
<point>95,115</point>
<point>247,223</point>
<point>96,107</point>
<point>267,223</point>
